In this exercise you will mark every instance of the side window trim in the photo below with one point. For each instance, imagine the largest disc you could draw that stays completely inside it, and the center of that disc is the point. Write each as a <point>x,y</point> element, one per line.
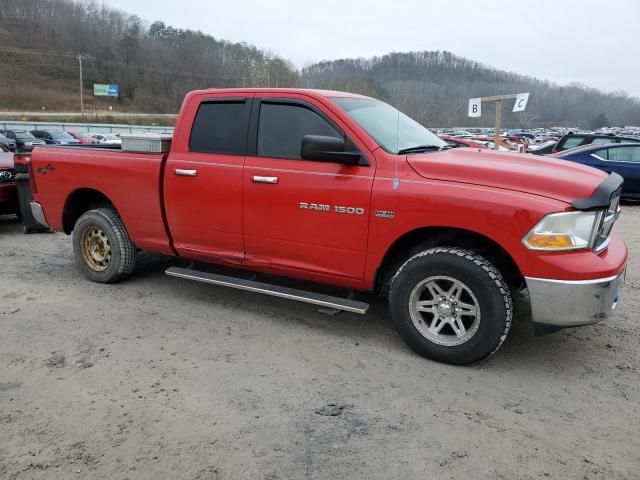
<point>252,137</point>
<point>303,104</point>
<point>243,100</point>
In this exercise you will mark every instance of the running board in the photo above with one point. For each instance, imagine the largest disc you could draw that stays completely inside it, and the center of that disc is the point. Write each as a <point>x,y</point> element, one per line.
<point>270,289</point>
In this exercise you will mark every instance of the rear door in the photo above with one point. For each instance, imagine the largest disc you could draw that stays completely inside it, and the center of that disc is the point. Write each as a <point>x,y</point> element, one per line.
<point>203,178</point>
<point>301,215</point>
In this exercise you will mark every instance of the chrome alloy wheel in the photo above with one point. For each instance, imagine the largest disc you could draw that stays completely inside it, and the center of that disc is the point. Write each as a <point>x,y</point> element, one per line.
<point>444,310</point>
<point>96,249</point>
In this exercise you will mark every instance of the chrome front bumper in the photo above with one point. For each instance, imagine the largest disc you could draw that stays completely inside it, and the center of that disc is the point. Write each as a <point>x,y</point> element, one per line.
<point>570,303</point>
<point>38,214</point>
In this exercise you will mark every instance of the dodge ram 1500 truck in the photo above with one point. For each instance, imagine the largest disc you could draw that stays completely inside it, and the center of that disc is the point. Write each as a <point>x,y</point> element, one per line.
<point>341,189</point>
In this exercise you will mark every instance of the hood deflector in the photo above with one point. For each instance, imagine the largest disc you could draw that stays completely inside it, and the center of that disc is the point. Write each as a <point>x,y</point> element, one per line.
<point>601,198</point>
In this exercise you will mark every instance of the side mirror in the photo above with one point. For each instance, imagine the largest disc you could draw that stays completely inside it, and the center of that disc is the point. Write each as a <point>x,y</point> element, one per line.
<point>327,149</point>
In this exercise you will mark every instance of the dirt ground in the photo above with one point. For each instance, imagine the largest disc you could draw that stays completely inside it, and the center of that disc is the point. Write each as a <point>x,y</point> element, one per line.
<point>160,378</point>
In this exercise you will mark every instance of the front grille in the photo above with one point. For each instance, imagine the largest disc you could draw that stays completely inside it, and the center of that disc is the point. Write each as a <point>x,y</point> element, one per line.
<point>606,224</point>
<point>8,175</point>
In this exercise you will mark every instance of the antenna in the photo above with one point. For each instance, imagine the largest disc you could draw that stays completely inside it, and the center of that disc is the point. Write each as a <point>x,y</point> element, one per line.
<point>397,125</point>
<point>396,180</point>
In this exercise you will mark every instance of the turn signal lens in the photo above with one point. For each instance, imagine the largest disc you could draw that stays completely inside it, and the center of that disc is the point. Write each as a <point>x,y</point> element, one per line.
<point>550,241</point>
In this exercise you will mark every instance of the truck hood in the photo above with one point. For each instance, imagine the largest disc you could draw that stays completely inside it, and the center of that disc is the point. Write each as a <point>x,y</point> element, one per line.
<point>546,176</point>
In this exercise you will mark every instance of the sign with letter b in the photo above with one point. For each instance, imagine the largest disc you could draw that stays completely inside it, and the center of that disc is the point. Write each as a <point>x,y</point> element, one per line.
<point>475,107</point>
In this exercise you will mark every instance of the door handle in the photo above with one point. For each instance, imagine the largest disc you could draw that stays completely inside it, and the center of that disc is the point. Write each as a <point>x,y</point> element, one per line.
<point>186,173</point>
<point>260,179</point>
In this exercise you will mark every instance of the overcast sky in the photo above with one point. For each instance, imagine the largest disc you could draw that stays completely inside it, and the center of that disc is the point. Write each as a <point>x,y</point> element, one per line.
<point>595,42</point>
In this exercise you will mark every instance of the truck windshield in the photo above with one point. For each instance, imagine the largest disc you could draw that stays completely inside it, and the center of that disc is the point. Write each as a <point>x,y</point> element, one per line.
<point>392,130</point>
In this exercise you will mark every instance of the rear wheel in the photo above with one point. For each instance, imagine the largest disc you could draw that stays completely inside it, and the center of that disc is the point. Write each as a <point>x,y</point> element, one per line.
<point>451,305</point>
<point>102,247</point>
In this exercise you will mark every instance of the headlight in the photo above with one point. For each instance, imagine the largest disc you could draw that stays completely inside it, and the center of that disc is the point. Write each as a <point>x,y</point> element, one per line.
<point>564,231</point>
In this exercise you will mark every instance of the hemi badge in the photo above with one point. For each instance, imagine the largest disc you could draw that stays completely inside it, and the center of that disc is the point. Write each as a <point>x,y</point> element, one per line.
<point>385,214</point>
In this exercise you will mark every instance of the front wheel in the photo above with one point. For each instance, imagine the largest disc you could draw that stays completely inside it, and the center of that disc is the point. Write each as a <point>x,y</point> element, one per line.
<point>102,247</point>
<point>451,305</point>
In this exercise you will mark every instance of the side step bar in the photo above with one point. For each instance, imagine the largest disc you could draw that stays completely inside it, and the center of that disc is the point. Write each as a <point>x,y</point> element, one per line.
<point>269,289</point>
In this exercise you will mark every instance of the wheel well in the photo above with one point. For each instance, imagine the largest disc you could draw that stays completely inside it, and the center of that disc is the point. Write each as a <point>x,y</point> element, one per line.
<point>430,237</point>
<point>79,202</point>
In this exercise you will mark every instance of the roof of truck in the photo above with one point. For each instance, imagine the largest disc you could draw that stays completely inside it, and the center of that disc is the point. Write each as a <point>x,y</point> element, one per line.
<point>319,92</point>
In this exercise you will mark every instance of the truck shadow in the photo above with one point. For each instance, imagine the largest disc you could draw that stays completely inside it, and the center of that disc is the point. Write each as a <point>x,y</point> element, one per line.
<point>521,351</point>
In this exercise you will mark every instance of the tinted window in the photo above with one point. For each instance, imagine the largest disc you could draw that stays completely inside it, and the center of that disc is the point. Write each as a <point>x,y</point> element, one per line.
<point>572,142</point>
<point>625,154</point>
<point>221,127</point>
<point>281,128</point>
<point>603,141</point>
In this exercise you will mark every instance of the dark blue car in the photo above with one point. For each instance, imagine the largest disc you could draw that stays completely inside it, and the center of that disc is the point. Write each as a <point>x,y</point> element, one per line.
<point>621,158</point>
<point>55,137</point>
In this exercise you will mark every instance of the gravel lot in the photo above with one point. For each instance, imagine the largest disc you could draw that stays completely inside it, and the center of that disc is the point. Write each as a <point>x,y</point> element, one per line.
<point>162,378</point>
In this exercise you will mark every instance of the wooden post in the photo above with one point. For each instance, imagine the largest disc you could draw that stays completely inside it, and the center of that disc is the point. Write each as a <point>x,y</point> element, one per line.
<point>498,99</point>
<point>81,86</point>
<point>498,118</point>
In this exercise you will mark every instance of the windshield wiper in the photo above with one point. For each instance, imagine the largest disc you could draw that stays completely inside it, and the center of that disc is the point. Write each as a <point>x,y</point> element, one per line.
<point>423,148</point>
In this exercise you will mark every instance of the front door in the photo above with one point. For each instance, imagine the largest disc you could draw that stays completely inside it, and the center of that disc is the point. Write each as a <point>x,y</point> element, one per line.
<point>300,216</point>
<point>203,179</point>
<point>625,161</point>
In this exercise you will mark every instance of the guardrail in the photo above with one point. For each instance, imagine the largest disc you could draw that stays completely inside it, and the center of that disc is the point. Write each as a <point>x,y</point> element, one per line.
<point>82,127</point>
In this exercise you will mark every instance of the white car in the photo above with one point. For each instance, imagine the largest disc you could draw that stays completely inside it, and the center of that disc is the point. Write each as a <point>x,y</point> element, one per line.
<point>107,138</point>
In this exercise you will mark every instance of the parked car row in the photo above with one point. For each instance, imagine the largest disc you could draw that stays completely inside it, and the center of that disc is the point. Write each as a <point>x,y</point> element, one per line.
<point>23,140</point>
<point>522,141</point>
<point>602,150</point>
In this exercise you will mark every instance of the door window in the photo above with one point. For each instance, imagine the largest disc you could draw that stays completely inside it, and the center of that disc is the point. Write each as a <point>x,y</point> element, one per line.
<point>625,154</point>
<point>221,127</point>
<point>282,126</point>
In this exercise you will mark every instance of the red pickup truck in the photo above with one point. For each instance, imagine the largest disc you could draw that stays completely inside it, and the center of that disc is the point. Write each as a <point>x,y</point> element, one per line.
<point>341,189</point>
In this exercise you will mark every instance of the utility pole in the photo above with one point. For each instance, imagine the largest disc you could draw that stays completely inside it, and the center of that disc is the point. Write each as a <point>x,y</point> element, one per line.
<point>81,86</point>
<point>496,140</point>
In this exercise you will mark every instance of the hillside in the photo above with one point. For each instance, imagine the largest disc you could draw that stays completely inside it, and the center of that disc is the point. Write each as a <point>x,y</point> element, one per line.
<point>434,87</point>
<point>155,64</point>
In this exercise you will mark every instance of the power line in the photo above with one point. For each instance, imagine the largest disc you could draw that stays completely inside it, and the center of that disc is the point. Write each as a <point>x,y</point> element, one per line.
<point>92,58</point>
<point>31,51</point>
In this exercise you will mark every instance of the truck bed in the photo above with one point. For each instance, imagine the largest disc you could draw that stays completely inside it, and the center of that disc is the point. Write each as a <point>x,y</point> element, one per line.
<point>61,172</point>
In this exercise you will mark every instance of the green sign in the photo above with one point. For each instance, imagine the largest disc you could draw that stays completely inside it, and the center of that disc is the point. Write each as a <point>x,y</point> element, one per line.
<point>102,90</point>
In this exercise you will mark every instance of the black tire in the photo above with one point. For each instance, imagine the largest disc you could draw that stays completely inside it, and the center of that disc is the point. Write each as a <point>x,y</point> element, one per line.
<point>122,252</point>
<point>482,280</point>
